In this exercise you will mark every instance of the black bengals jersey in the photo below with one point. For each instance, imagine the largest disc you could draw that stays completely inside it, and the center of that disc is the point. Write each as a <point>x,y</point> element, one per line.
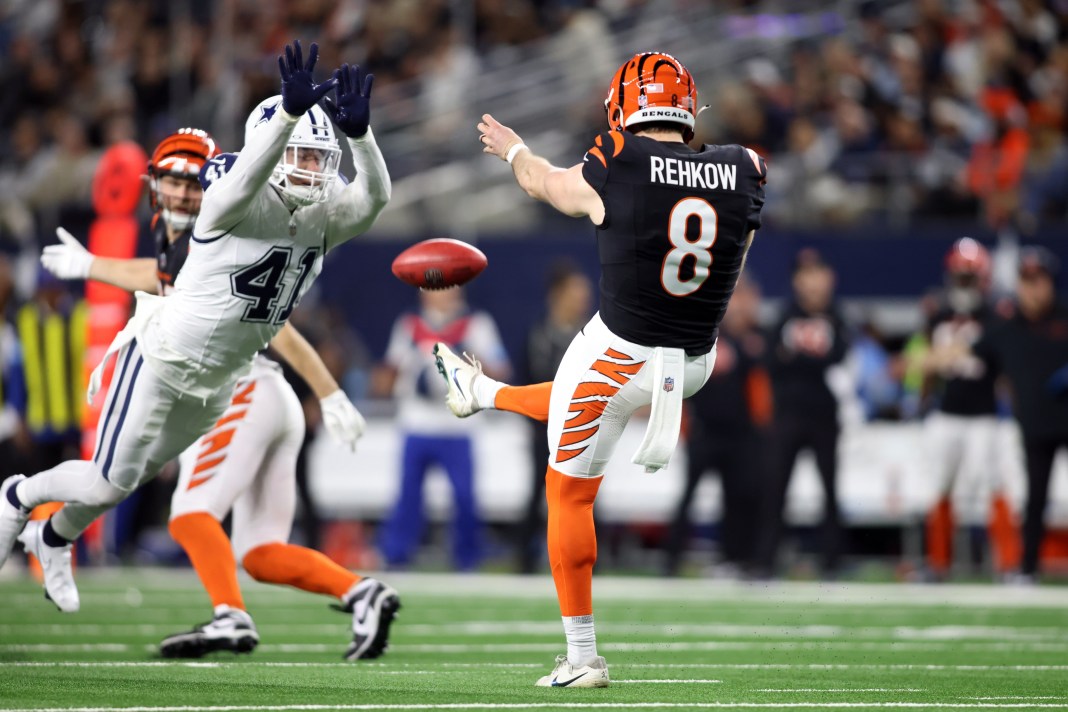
<point>969,390</point>
<point>804,346</point>
<point>170,256</point>
<point>673,237</point>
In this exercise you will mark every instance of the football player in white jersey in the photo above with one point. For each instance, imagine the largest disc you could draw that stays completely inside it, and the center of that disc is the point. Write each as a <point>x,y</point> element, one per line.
<point>247,462</point>
<point>267,218</point>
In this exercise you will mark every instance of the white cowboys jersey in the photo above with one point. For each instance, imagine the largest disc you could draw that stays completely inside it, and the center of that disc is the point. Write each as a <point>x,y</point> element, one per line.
<point>252,258</point>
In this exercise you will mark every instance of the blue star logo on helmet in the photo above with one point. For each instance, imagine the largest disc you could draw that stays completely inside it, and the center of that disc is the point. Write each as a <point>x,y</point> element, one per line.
<point>267,113</point>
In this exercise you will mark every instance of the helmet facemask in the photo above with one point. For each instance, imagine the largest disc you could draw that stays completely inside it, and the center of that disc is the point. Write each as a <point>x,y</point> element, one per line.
<point>309,166</point>
<point>165,190</point>
<point>305,173</point>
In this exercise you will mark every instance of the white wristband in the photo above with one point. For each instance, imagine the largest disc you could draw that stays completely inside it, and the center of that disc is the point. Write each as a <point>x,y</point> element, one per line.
<point>513,151</point>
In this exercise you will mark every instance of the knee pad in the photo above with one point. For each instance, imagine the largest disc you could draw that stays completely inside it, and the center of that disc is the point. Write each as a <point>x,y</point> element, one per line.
<point>102,493</point>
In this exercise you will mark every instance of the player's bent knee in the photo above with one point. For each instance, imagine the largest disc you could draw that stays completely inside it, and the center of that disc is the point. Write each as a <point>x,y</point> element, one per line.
<point>103,494</point>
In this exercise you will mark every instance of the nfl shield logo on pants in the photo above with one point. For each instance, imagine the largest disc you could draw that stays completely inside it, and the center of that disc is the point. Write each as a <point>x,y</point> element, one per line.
<point>669,384</point>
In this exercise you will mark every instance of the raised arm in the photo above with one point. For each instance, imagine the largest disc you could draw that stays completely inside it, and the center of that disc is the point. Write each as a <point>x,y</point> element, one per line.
<point>563,188</point>
<point>70,260</point>
<point>357,207</point>
<point>340,416</point>
<point>228,197</point>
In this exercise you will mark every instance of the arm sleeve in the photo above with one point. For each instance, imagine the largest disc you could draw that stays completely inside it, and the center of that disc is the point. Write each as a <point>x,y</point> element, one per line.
<point>356,207</point>
<point>756,195</point>
<point>228,198</point>
<point>595,162</point>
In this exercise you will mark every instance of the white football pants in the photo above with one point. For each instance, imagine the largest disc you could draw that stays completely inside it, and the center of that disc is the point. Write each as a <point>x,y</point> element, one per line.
<point>247,462</point>
<point>601,381</point>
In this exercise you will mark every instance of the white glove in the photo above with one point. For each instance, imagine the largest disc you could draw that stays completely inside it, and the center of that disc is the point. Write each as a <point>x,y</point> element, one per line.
<point>342,420</point>
<point>67,260</point>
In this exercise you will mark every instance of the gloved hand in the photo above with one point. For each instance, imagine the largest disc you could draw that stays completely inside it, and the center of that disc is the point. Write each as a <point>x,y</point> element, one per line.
<point>67,260</point>
<point>342,420</point>
<point>352,111</point>
<point>299,91</point>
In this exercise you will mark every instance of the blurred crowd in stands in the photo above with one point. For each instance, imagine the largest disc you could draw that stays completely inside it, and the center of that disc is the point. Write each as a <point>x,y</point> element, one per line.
<point>902,109</point>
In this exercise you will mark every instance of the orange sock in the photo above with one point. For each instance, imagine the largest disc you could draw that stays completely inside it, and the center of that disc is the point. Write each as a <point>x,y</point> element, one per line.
<point>299,567</point>
<point>940,528</point>
<point>572,539</point>
<point>208,548</point>
<point>1004,535</point>
<point>531,401</point>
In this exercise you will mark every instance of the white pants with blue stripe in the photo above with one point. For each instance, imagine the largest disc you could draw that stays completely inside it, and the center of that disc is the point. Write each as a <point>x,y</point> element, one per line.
<point>145,424</point>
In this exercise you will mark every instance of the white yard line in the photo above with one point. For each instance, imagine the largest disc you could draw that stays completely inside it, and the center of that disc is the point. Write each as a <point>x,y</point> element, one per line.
<point>529,627</point>
<point>816,667</point>
<point>845,689</point>
<point>694,646</point>
<point>555,705</point>
<point>171,583</point>
<point>681,681</point>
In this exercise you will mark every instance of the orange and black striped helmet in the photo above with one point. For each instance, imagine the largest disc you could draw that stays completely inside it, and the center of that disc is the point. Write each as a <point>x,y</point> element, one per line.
<point>182,154</point>
<point>652,86</point>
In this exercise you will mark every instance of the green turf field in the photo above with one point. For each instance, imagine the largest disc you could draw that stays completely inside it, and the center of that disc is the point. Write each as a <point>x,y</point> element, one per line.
<point>480,642</point>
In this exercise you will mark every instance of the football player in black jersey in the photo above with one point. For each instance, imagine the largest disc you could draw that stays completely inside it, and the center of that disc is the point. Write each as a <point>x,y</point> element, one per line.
<point>673,226</point>
<point>961,433</point>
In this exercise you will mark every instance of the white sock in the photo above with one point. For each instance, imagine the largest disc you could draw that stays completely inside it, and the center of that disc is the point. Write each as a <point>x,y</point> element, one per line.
<point>485,389</point>
<point>71,481</point>
<point>581,639</point>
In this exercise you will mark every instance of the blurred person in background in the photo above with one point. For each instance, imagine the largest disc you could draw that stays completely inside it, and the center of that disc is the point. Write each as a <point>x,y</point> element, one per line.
<point>568,304</point>
<point>431,436</point>
<point>51,331</point>
<point>347,359</point>
<point>1030,347</point>
<point>727,433</point>
<point>961,433</point>
<point>14,444</point>
<point>810,339</point>
<point>996,166</point>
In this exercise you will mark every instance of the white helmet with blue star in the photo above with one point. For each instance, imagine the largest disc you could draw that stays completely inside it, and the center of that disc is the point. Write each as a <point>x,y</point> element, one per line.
<point>310,163</point>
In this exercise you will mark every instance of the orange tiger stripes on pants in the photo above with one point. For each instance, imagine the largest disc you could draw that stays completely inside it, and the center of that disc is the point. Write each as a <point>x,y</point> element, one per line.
<point>600,383</point>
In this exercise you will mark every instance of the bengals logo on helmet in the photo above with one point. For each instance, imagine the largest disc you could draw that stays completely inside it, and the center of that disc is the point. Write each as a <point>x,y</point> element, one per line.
<point>652,86</point>
<point>183,153</point>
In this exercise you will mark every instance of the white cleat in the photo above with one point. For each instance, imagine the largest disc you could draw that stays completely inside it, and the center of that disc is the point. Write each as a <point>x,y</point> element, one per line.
<point>593,673</point>
<point>231,629</point>
<point>460,375</point>
<point>373,605</point>
<point>55,562</point>
<point>12,519</point>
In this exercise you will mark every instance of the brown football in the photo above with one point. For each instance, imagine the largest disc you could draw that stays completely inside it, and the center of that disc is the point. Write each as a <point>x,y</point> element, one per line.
<point>439,263</point>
